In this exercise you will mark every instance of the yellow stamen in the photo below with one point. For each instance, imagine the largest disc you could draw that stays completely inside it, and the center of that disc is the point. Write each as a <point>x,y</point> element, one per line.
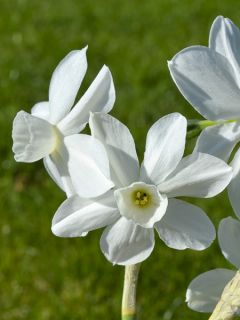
<point>141,198</point>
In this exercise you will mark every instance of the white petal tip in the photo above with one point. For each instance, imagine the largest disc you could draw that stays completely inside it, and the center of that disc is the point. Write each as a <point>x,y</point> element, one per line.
<point>105,67</point>
<point>188,294</point>
<point>61,233</point>
<point>54,231</point>
<point>85,48</point>
<point>80,51</point>
<point>220,18</point>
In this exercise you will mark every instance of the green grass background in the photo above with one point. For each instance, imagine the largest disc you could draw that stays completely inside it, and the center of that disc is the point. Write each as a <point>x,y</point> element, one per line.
<point>44,277</point>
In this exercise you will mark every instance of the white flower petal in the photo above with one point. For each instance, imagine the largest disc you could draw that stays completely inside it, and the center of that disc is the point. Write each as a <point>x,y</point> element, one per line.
<point>198,175</point>
<point>77,215</point>
<point>41,110</point>
<point>57,168</point>
<point>146,215</point>
<point>100,96</point>
<point>185,226</point>
<point>126,243</point>
<point>33,138</point>
<point>88,165</point>
<point>119,145</point>
<point>225,39</point>
<point>229,239</point>
<point>65,82</point>
<point>234,185</point>
<point>53,171</point>
<point>219,141</point>
<point>164,147</point>
<point>204,291</point>
<point>207,80</point>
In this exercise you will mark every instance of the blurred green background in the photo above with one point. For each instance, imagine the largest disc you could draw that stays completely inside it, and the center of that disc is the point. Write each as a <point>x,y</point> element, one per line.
<point>45,277</point>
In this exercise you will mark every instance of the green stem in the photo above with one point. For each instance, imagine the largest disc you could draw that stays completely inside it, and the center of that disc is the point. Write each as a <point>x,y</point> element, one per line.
<point>129,317</point>
<point>192,133</point>
<point>194,127</point>
<point>129,306</point>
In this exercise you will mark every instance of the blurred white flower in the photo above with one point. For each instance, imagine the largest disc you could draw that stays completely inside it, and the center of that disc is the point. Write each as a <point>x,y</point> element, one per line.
<point>209,78</point>
<point>41,134</point>
<point>205,291</point>
<point>143,198</point>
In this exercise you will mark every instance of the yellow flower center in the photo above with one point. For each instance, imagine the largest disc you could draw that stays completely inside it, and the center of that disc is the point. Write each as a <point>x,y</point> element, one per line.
<point>141,198</point>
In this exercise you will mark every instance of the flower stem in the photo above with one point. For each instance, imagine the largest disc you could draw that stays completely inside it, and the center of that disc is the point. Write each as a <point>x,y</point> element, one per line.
<point>129,308</point>
<point>229,305</point>
<point>195,127</point>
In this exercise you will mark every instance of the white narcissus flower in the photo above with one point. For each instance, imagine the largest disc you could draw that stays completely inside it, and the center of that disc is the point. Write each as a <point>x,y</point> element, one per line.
<point>205,291</point>
<point>209,78</point>
<point>143,198</point>
<point>42,133</point>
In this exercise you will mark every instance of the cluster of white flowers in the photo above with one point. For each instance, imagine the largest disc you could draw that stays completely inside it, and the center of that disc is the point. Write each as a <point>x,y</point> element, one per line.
<point>101,175</point>
<point>209,78</point>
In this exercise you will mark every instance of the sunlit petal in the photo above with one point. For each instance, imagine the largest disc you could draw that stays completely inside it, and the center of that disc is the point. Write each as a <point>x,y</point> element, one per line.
<point>229,239</point>
<point>204,291</point>
<point>225,39</point>
<point>185,226</point>
<point>234,185</point>
<point>164,147</point>
<point>100,96</point>
<point>88,165</point>
<point>41,110</point>
<point>198,175</point>
<point>126,243</point>
<point>207,80</point>
<point>77,215</point>
<point>219,141</point>
<point>65,82</point>
<point>120,148</point>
